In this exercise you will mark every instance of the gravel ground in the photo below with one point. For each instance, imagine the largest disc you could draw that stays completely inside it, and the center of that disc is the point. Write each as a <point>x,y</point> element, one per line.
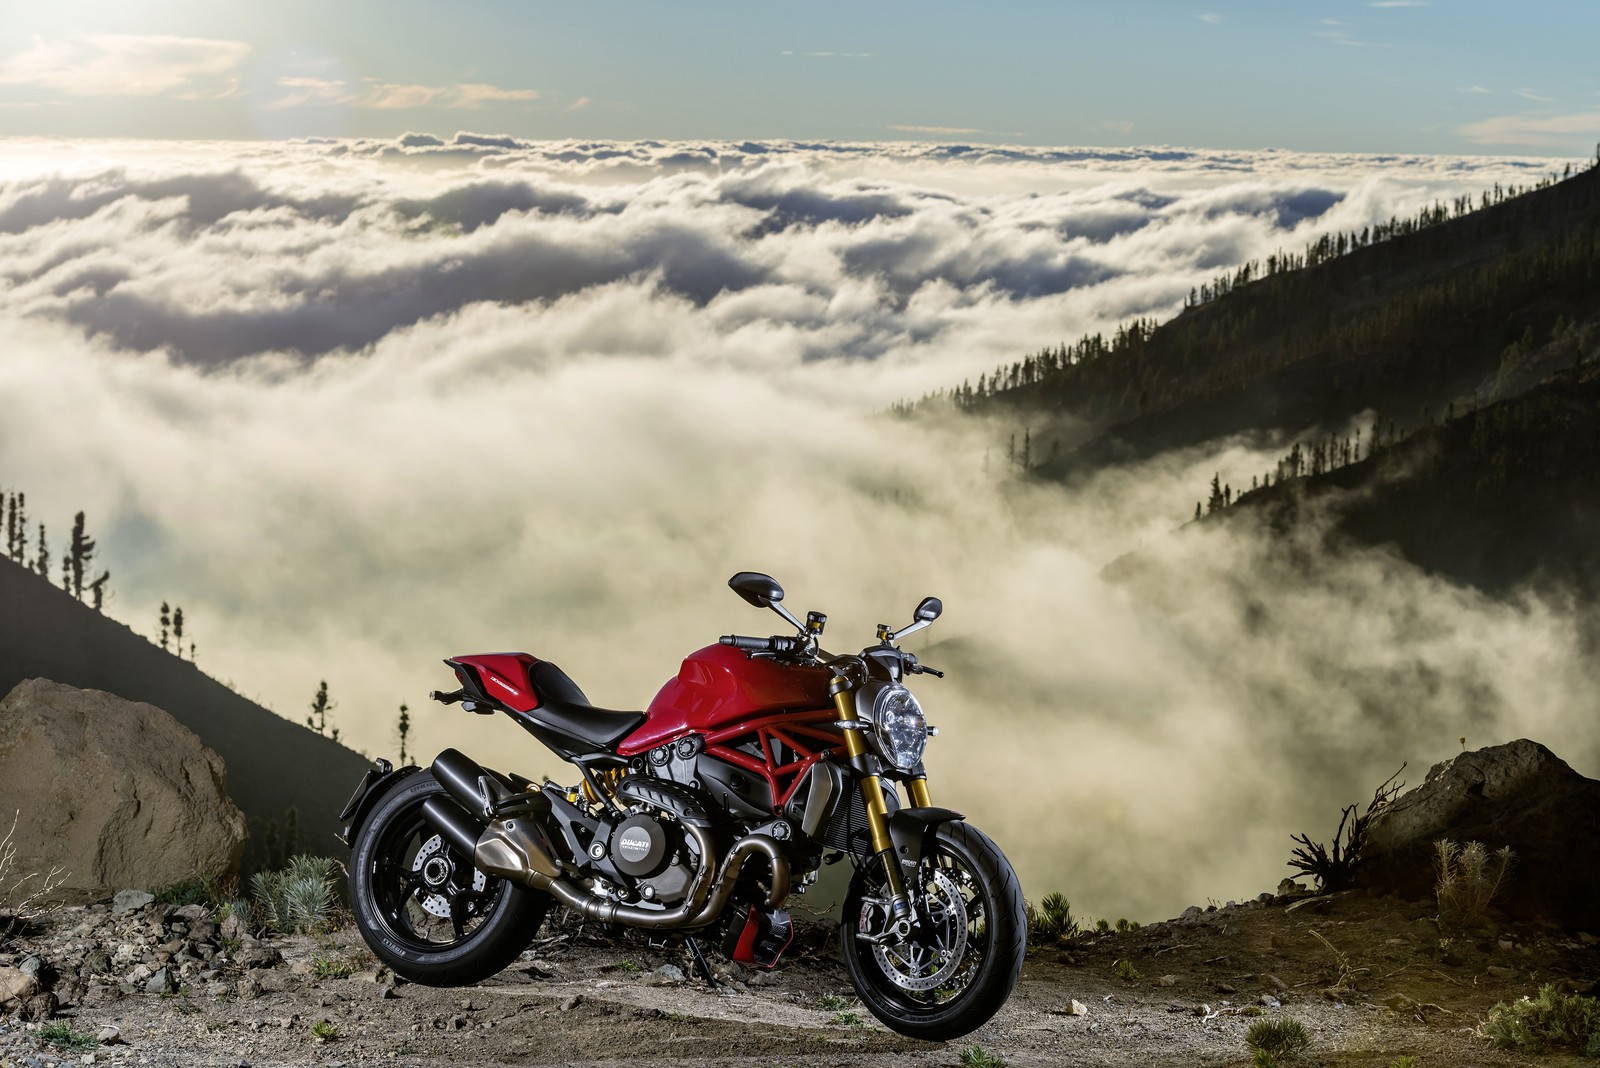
<point>577,998</point>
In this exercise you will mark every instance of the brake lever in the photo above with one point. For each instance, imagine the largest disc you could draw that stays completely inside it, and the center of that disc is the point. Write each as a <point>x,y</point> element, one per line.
<point>923,669</point>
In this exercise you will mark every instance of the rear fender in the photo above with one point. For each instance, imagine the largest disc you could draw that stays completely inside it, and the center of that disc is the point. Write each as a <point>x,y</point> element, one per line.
<point>379,780</point>
<point>912,831</point>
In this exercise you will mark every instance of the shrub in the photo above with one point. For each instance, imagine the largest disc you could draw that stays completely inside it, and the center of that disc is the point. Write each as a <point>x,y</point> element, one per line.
<point>299,898</point>
<point>1272,1042</point>
<point>1052,919</point>
<point>331,968</point>
<point>324,1031</point>
<point>1405,1060</point>
<point>1467,878</point>
<point>1552,1021</point>
<point>976,1056</point>
<point>201,890</point>
<point>1335,869</point>
<point>1125,971</point>
<point>22,894</point>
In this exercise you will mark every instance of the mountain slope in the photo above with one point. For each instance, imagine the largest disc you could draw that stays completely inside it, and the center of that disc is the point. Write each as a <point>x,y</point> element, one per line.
<point>1413,322</point>
<point>273,764</point>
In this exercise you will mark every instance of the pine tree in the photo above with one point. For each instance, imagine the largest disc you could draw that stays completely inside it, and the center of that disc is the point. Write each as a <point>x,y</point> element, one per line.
<point>177,631</point>
<point>79,554</point>
<point>97,590</point>
<point>166,622</point>
<point>403,729</point>
<point>1215,501</point>
<point>320,707</point>
<point>41,563</point>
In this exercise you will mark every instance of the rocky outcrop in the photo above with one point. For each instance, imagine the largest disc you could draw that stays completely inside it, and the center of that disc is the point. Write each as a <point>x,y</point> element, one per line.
<point>116,794</point>
<point>1519,795</point>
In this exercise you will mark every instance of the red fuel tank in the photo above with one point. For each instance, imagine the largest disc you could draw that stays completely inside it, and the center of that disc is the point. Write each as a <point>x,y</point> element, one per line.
<point>718,687</point>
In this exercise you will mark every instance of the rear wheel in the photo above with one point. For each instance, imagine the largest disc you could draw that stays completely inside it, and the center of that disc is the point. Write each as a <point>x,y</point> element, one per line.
<point>421,905</point>
<point>964,954</point>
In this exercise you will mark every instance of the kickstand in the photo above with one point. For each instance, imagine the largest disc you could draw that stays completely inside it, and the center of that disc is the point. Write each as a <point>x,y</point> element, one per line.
<point>700,963</point>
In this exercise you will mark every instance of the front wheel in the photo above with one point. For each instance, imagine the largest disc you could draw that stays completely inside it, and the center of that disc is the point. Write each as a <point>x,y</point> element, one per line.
<point>422,906</point>
<point>964,953</point>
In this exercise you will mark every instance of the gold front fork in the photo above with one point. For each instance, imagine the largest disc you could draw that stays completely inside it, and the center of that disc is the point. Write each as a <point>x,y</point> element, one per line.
<point>918,789</point>
<point>871,793</point>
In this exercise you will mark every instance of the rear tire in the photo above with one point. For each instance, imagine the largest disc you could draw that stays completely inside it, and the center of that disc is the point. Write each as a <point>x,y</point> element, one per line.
<point>968,990</point>
<point>422,907</point>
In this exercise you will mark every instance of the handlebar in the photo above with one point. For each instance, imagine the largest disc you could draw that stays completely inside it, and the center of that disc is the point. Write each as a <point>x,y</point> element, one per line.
<point>775,644</point>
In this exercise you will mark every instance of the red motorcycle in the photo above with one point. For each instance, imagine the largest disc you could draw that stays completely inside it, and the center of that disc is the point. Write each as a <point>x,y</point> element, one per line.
<point>762,759</point>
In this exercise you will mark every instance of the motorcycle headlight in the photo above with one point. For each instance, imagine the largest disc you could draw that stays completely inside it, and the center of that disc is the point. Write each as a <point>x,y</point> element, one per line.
<point>900,726</point>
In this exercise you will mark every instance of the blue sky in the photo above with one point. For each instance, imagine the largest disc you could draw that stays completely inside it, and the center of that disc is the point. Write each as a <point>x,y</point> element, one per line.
<point>1344,75</point>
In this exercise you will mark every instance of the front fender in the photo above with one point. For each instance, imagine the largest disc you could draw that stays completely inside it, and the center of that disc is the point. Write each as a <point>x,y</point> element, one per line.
<point>379,780</point>
<point>911,830</point>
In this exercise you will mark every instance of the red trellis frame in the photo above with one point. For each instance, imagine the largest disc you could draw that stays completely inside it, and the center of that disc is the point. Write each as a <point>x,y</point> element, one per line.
<point>800,732</point>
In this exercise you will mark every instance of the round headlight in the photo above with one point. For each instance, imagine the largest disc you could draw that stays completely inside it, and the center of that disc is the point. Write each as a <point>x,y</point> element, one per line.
<point>901,727</point>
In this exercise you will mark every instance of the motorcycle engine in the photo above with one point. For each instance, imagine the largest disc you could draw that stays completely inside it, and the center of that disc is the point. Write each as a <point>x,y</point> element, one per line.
<point>652,851</point>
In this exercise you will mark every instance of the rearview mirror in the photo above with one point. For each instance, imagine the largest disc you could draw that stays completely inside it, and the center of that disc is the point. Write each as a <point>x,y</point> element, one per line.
<point>928,609</point>
<point>760,590</point>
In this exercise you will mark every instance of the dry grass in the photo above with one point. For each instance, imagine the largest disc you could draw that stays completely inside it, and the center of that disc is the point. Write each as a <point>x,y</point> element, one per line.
<point>24,896</point>
<point>1467,879</point>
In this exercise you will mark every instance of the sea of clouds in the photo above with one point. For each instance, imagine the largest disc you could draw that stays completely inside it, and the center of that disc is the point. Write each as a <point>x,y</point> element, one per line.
<point>359,405</point>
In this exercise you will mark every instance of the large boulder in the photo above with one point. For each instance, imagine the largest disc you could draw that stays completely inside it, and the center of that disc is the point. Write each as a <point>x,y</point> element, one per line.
<point>1519,795</point>
<point>117,794</point>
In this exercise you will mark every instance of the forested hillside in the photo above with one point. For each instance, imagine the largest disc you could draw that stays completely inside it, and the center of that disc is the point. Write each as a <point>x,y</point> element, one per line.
<point>1404,320</point>
<point>1436,380</point>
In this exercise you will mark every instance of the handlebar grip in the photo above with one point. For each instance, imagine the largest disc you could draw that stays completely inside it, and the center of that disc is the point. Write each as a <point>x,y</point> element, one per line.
<point>749,645</point>
<point>775,644</point>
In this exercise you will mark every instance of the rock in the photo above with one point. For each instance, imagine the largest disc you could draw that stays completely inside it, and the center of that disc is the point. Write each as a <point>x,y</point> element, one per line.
<point>96,962</point>
<point>247,988</point>
<point>1268,1001</point>
<point>572,1002</point>
<point>16,985</point>
<point>1077,1008</point>
<point>671,973</point>
<point>256,954</point>
<point>1519,795</point>
<point>1167,980</point>
<point>1272,982</point>
<point>130,901</point>
<point>161,982</point>
<point>117,794</point>
<point>765,978</point>
<point>1227,988</point>
<point>110,1035</point>
<point>1191,914</point>
<point>387,993</point>
<point>1499,972</point>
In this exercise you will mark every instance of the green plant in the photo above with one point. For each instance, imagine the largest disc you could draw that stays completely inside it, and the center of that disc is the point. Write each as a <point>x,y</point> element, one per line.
<point>620,966</point>
<point>201,890</point>
<point>1051,919</point>
<point>833,1002</point>
<point>299,898</point>
<point>1102,926</point>
<point>1405,1060</point>
<point>331,968</point>
<point>848,1019</point>
<point>1273,1042</point>
<point>975,1056</point>
<point>324,1031</point>
<point>1551,1021</point>
<point>61,1035</point>
<point>1127,925</point>
<point>1467,878</point>
<point>1125,971</point>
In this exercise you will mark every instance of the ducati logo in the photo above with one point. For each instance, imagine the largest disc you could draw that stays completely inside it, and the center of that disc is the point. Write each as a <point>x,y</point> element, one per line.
<point>633,848</point>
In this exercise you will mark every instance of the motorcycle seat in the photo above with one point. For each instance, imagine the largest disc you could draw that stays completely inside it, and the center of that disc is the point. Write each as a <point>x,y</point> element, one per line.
<point>563,707</point>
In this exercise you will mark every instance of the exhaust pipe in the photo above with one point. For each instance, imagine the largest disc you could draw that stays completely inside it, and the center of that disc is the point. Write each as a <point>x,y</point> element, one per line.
<point>514,848</point>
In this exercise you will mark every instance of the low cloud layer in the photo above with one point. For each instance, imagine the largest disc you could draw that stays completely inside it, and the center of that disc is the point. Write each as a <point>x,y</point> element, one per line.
<point>357,406</point>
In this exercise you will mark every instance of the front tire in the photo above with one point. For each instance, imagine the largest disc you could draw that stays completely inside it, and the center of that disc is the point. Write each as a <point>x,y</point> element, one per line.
<point>422,907</point>
<point>962,960</point>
